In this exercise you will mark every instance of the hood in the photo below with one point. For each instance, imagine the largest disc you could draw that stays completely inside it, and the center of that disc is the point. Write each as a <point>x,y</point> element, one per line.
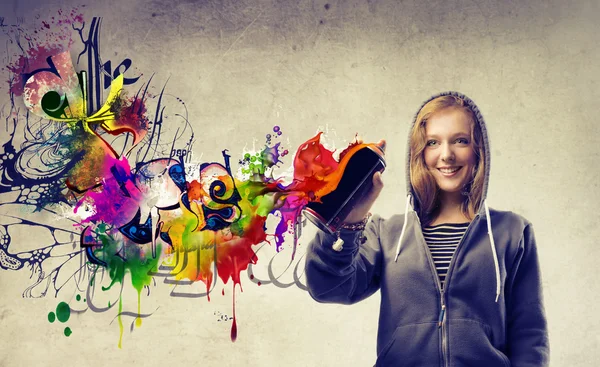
<point>483,209</point>
<point>486,145</point>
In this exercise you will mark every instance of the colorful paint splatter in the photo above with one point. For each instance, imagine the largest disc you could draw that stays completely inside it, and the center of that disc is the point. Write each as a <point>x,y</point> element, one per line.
<point>130,204</point>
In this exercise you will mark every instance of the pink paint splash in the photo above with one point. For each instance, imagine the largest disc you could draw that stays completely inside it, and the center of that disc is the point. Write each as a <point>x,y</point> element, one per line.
<point>34,59</point>
<point>116,202</point>
<point>49,37</point>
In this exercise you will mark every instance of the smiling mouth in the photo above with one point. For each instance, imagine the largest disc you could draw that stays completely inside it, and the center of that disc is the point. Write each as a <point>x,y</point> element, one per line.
<point>449,171</point>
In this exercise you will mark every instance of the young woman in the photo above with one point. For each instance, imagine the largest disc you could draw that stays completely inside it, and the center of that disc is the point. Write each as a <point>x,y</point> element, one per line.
<point>460,282</point>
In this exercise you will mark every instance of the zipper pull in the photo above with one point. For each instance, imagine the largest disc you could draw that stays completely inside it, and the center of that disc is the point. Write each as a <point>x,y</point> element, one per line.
<point>442,313</point>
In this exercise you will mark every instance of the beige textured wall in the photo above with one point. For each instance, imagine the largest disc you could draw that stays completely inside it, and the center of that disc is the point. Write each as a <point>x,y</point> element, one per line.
<point>358,66</point>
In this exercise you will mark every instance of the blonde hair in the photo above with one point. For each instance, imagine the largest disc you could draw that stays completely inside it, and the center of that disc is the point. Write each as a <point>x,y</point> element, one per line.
<point>425,188</point>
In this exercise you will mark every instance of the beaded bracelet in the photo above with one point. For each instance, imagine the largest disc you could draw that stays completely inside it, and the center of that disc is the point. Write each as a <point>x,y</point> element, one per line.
<point>338,245</point>
<point>360,226</point>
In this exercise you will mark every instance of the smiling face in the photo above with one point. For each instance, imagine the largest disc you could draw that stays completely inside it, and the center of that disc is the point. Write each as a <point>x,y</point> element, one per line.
<point>449,153</point>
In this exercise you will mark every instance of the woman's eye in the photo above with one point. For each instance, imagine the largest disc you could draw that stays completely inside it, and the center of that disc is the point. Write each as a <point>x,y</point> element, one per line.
<point>462,141</point>
<point>431,142</point>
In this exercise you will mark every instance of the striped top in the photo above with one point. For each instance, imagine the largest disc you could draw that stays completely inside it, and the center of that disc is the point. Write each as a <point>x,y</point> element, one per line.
<point>442,240</point>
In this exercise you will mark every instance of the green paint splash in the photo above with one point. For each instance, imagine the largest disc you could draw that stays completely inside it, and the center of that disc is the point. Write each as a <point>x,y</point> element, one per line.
<point>63,312</point>
<point>121,258</point>
<point>51,317</point>
<point>68,331</point>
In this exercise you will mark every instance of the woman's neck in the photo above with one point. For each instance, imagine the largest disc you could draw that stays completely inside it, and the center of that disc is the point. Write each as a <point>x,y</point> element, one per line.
<point>450,209</point>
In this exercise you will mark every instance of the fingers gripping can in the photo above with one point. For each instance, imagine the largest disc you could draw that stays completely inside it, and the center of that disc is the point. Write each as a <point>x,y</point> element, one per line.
<point>355,182</point>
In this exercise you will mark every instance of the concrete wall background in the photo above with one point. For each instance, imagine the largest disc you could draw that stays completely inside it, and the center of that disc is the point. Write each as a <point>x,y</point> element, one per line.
<point>350,66</point>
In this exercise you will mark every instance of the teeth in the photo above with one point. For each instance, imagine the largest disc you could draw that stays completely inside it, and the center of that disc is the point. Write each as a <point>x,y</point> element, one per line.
<point>449,170</point>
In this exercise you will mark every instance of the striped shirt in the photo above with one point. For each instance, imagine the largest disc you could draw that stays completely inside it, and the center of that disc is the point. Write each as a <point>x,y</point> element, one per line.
<point>442,240</point>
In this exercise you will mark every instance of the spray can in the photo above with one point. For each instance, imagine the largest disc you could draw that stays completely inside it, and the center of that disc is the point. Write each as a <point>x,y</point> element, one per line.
<point>356,180</point>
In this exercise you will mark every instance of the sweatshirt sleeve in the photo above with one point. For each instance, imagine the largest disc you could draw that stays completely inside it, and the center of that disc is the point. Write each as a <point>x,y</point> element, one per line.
<point>347,276</point>
<point>527,328</point>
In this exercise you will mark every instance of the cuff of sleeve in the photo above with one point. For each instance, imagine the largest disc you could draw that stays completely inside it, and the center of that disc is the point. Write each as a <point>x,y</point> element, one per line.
<point>350,238</point>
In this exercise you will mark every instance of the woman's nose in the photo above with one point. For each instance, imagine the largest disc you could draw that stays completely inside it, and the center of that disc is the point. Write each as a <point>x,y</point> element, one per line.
<point>447,154</point>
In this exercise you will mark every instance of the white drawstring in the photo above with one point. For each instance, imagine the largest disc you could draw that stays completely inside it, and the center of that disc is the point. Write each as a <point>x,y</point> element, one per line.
<point>493,244</point>
<point>408,197</point>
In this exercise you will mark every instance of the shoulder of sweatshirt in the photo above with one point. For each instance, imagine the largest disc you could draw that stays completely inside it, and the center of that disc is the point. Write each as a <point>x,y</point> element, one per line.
<point>388,231</point>
<point>508,221</point>
<point>389,224</point>
<point>514,236</point>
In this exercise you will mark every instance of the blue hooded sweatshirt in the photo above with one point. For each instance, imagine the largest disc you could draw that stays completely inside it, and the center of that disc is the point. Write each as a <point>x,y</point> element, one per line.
<point>490,312</point>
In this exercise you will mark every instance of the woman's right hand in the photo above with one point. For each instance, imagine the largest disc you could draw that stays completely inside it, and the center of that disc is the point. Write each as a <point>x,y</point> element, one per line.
<point>361,209</point>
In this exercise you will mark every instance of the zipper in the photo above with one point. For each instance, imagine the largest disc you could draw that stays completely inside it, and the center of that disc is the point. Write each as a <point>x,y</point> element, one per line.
<point>442,314</point>
<point>443,308</point>
<point>442,324</point>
